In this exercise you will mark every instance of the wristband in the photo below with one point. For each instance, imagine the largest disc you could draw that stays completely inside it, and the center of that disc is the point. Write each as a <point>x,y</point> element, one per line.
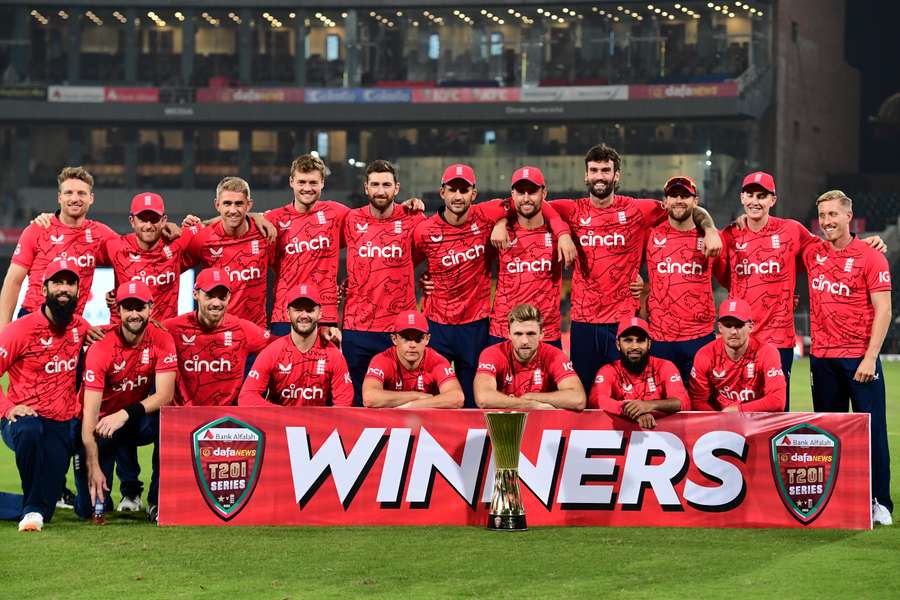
<point>135,411</point>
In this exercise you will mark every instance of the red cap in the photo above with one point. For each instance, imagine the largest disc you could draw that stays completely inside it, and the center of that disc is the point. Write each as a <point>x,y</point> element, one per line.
<point>209,279</point>
<point>681,181</point>
<point>764,180</point>
<point>633,323</point>
<point>137,290</point>
<point>736,309</point>
<point>147,201</point>
<point>306,290</point>
<point>410,319</point>
<point>532,174</point>
<point>458,171</point>
<point>58,265</point>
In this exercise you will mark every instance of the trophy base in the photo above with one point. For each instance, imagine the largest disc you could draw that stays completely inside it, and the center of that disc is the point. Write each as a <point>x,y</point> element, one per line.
<point>506,523</point>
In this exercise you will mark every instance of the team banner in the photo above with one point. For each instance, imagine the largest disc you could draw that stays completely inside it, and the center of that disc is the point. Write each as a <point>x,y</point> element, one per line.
<point>354,466</point>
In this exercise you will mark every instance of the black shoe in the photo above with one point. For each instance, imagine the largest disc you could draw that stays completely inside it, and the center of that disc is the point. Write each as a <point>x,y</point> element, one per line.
<point>153,513</point>
<point>66,499</point>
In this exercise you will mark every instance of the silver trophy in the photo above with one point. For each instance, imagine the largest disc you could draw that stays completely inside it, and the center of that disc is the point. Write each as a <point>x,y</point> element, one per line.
<point>507,512</point>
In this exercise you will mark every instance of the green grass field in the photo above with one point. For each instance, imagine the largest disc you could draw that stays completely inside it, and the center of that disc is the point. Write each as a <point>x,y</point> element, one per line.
<point>129,558</point>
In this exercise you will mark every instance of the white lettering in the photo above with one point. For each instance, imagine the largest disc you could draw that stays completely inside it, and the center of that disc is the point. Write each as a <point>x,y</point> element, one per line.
<point>370,251</point>
<point>300,246</point>
<point>534,266</point>
<point>218,365</point>
<point>454,257</point>
<point>746,268</point>
<point>610,239</point>
<point>820,284</point>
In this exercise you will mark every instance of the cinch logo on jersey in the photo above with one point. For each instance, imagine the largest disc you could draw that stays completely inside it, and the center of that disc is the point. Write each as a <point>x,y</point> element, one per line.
<point>370,251</point>
<point>300,246</point>
<point>610,239</point>
<point>773,372</point>
<point>745,267</point>
<point>742,395</point>
<point>487,367</point>
<point>305,393</point>
<point>164,278</point>
<point>376,372</point>
<point>820,284</point>
<point>669,267</point>
<point>247,274</point>
<point>56,365</point>
<point>454,258</point>
<point>127,384</point>
<point>534,266</point>
<point>83,261</point>
<point>218,365</point>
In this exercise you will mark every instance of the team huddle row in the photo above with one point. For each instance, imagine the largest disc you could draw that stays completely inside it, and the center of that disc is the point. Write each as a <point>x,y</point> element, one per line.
<point>384,353</point>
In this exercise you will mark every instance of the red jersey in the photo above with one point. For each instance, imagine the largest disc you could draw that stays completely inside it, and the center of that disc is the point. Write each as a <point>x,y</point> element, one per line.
<point>211,363</point>
<point>680,304</point>
<point>543,373</point>
<point>840,304</point>
<point>433,372</point>
<point>615,385</point>
<point>380,280</point>
<point>762,270</point>
<point>528,272</point>
<point>159,267</point>
<point>245,259</point>
<point>610,243</point>
<point>125,373</point>
<point>307,250</point>
<point>41,361</point>
<point>317,377</point>
<point>38,246</point>
<point>755,381</point>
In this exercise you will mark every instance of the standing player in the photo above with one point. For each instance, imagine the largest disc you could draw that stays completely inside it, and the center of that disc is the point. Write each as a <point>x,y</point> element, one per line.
<point>850,312</point>
<point>529,269</point>
<point>638,386</point>
<point>301,368</point>
<point>212,346</point>
<point>411,375</point>
<point>762,254</point>
<point>119,407</point>
<point>524,372</point>
<point>70,235</point>
<point>379,270</point>
<point>457,285</point>
<point>610,231</point>
<point>680,305</point>
<point>737,372</point>
<point>40,353</point>
<point>236,245</point>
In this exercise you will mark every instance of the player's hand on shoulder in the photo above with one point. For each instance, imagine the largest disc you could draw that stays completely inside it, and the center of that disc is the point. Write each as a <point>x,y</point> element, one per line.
<point>42,220</point>
<point>191,221</point>
<point>500,236</point>
<point>741,222</point>
<point>426,283</point>
<point>565,249</point>
<point>712,244</point>
<point>20,410</point>
<point>265,227</point>
<point>876,243</point>
<point>414,204</point>
<point>171,231</point>
<point>94,334</point>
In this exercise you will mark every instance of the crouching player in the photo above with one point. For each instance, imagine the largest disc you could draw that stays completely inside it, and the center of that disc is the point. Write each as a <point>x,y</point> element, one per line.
<point>638,386</point>
<point>737,372</point>
<point>301,368</point>
<point>120,371</point>
<point>411,375</point>
<point>524,372</point>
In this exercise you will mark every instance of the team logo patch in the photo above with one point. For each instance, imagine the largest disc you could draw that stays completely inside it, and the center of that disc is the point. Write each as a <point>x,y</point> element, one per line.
<point>228,455</point>
<point>805,466</point>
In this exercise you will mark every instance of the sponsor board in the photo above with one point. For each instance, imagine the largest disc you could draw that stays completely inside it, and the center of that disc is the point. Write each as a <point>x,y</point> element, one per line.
<point>138,95</point>
<point>465,95</point>
<point>76,93</point>
<point>250,95</point>
<point>353,466</point>
<point>594,93</point>
<point>23,92</point>
<point>725,89</point>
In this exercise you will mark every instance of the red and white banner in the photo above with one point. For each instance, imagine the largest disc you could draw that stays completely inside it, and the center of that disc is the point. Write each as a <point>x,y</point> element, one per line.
<point>132,95</point>
<point>726,89</point>
<point>464,95</point>
<point>354,466</point>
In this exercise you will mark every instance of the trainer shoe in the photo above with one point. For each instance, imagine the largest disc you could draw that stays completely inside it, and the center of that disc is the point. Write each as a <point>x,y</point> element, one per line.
<point>33,521</point>
<point>66,499</point>
<point>153,513</point>
<point>880,514</point>
<point>130,504</point>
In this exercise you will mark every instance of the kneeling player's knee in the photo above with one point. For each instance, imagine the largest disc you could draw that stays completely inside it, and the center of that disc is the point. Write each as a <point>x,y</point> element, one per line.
<point>27,431</point>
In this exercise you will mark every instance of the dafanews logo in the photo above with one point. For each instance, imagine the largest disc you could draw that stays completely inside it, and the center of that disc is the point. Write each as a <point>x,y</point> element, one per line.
<point>805,466</point>
<point>228,456</point>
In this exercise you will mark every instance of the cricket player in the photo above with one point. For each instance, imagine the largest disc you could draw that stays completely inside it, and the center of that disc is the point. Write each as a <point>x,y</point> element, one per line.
<point>410,374</point>
<point>212,345</point>
<point>737,372</point>
<point>610,232</point>
<point>680,304</point>
<point>850,312</point>
<point>638,386</point>
<point>40,353</point>
<point>301,368</point>
<point>524,372</point>
<point>128,376</point>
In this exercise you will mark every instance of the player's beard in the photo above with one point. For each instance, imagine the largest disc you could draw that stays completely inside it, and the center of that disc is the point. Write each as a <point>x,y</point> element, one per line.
<point>62,313</point>
<point>304,329</point>
<point>636,367</point>
<point>134,326</point>
<point>683,216</point>
<point>525,354</point>
<point>608,190</point>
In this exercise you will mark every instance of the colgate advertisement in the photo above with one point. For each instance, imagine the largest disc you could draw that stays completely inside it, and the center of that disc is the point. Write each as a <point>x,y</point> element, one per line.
<point>333,466</point>
<point>727,89</point>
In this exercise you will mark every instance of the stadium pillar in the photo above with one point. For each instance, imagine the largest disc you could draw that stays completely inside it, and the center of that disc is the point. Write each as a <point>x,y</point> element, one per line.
<point>245,48</point>
<point>20,35</point>
<point>76,133</point>
<point>353,63</point>
<point>187,53</point>
<point>23,156</point>
<point>131,157</point>
<point>301,32</point>
<point>73,45</point>
<point>188,158</point>
<point>245,141</point>
<point>131,47</point>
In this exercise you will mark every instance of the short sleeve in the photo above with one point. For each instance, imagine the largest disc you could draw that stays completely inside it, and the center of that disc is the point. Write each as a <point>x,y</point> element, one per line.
<point>491,362</point>
<point>380,369</point>
<point>166,358</point>
<point>96,363</point>
<point>877,272</point>
<point>27,246</point>
<point>558,365</point>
